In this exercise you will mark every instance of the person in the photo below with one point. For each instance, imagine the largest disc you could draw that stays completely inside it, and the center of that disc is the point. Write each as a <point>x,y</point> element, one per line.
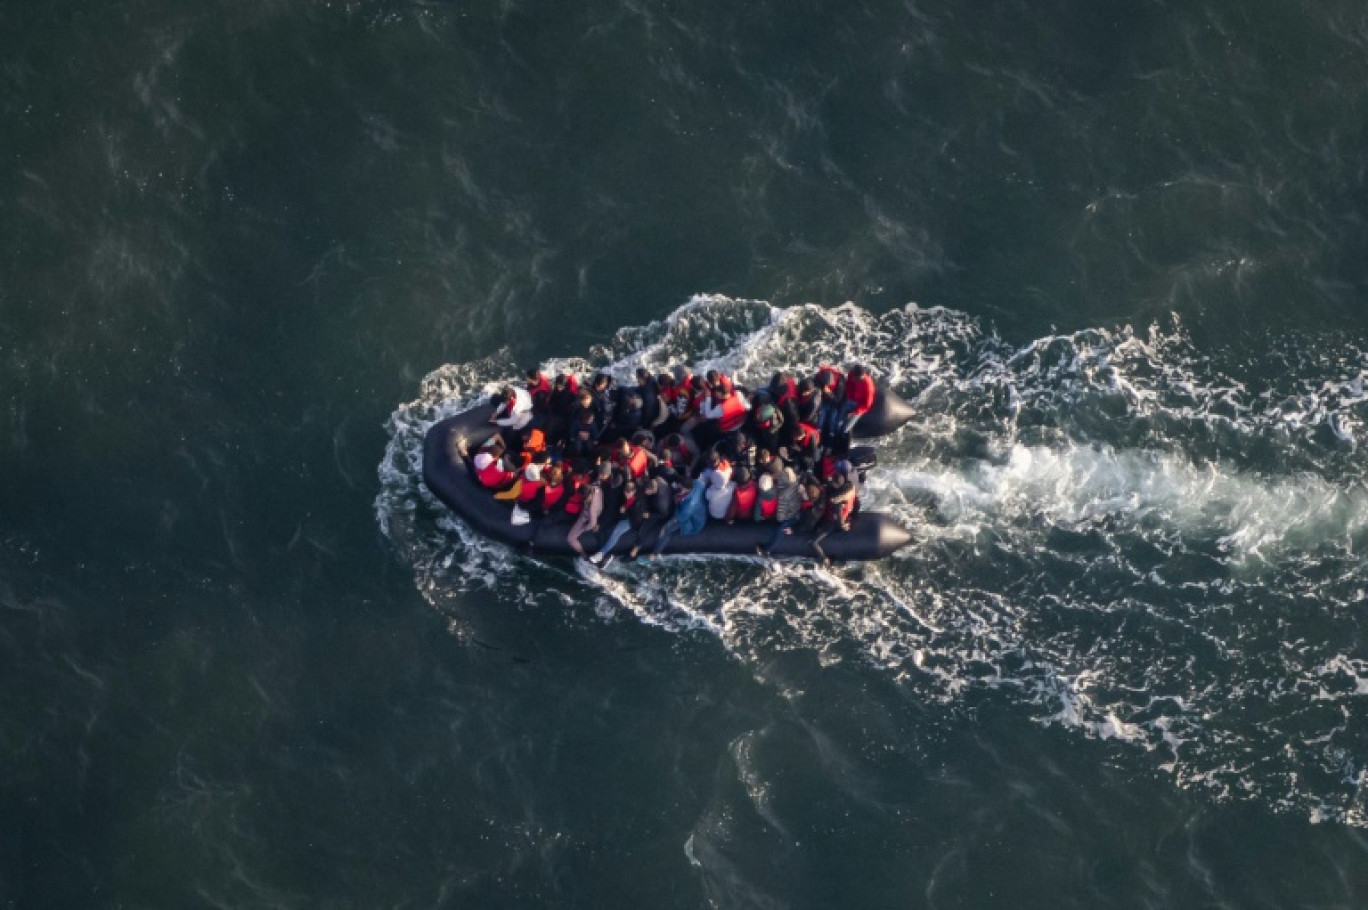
<point>719,383</point>
<point>745,492</point>
<point>515,409</point>
<point>592,510</point>
<point>859,398</point>
<point>533,481</point>
<point>839,510</point>
<point>655,506</point>
<point>769,421</point>
<point>634,459</point>
<point>489,466</point>
<point>691,513</point>
<point>812,506</point>
<point>726,412</point>
<point>653,411</point>
<point>830,382</point>
<point>603,400</point>
<point>539,390</point>
<point>766,500</point>
<point>717,479</point>
<point>804,444</point>
<point>677,452</point>
<point>629,416</point>
<point>807,407</point>
<point>622,512</point>
<point>788,508</point>
<point>561,407</point>
<point>553,493</point>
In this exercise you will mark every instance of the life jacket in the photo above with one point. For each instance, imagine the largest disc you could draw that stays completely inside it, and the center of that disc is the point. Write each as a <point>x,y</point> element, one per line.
<point>787,392</point>
<point>835,386</point>
<point>575,504</point>
<point>637,462</point>
<point>536,442</point>
<point>734,413</point>
<point>494,475</point>
<point>745,500</point>
<point>769,508</point>
<point>724,382</point>
<point>552,494</point>
<point>532,484</point>
<point>540,390</point>
<point>840,511</point>
<point>807,435</point>
<point>827,469</point>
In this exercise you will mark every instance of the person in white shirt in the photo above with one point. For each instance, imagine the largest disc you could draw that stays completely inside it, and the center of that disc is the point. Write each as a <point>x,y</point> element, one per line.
<point>515,412</point>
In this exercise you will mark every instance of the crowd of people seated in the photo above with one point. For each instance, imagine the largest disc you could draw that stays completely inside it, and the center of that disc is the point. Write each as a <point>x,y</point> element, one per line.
<point>675,450</point>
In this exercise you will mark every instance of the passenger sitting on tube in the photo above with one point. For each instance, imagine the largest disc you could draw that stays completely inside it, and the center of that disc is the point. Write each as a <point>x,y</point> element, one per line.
<point>539,390</point>
<point>766,500</point>
<point>677,452</point>
<point>859,398</point>
<point>489,466</point>
<point>839,511</point>
<point>768,421</point>
<point>719,383</point>
<point>717,479</point>
<point>725,413</point>
<point>621,516</point>
<point>515,409</point>
<point>552,496</point>
<point>744,495</point>
<point>632,458</point>
<point>588,521</point>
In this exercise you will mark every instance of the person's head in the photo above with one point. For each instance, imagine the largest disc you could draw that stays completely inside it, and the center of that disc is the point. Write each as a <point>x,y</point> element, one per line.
<point>680,372</point>
<point>763,458</point>
<point>554,475</point>
<point>857,371</point>
<point>766,413</point>
<point>665,381</point>
<point>714,459</point>
<point>825,378</point>
<point>604,473</point>
<point>674,441</point>
<point>742,475</point>
<point>509,395</point>
<point>602,381</point>
<point>805,387</point>
<point>766,483</point>
<point>561,381</point>
<point>533,375</point>
<point>629,487</point>
<point>586,398</point>
<point>643,375</point>
<point>714,377</point>
<point>697,384</point>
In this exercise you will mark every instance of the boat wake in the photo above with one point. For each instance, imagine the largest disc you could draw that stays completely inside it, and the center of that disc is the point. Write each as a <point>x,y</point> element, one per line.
<point>1115,532</point>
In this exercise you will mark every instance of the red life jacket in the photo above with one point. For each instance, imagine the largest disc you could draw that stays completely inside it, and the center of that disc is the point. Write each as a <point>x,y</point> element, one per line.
<point>539,390</point>
<point>552,495</point>
<point>575,504</point>
<point>636,461</point>
<point>840,510</point>
<point>724,382</point>
<point>494,475</point>
<point>827,469</point>
<point>788,392</point>
<point>807,435</point>
<point>745,500</point>
<point>530,488</point>
<point>734,414</point>
<point>769,508</point>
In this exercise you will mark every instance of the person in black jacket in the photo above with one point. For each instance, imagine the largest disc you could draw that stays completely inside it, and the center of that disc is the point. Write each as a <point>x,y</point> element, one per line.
<point>652,509</point>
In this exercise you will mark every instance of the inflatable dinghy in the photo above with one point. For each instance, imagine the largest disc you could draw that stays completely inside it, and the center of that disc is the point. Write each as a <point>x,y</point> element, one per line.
<point>871,535</point>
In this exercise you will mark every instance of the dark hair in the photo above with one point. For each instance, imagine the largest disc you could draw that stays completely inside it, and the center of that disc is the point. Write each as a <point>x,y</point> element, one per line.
<point>533,372</point>
<point>741,474</point>
<point>805,386</point>
<point>857,371</point>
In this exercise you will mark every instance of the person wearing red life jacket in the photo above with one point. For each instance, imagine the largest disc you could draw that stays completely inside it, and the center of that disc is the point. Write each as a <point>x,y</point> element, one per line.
<point>553,493</point>
<point>859,398</point>
<point>696,396</point>
<point>804,443</point>
<point>725,415</point>
<point>719,383</point>
<point>632,458</point>
<point>539,389</point>
<point>744,496</point>
<point>489,467</point>
<point>839,512</point>
<point>529,491</point>
<point>575,484</point>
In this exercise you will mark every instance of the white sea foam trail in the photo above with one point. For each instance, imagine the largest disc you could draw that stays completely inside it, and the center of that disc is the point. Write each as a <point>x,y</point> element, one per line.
<point>1115,531</point>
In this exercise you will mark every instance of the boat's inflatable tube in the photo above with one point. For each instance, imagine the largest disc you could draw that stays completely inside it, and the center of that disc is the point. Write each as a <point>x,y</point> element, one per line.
<point>446,474</point>
<point>889,412</point>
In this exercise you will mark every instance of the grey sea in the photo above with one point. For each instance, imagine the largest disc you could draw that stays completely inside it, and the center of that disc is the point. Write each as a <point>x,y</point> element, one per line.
<point>1116,254</point>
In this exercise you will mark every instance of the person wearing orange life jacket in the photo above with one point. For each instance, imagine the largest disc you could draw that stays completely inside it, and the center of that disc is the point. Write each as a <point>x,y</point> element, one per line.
<point>744,496</point>
<point>551,496</point>
<point>724,415</point>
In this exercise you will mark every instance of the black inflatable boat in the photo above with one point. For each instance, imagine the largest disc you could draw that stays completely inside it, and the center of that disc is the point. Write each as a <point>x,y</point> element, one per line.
<point>871,536</point>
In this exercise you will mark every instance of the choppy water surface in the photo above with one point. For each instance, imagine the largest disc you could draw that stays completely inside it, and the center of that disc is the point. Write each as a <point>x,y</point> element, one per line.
<point>1122,665</point>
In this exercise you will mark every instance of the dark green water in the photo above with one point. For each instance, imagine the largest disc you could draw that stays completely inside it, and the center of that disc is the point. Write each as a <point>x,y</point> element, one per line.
<point>251,250</point>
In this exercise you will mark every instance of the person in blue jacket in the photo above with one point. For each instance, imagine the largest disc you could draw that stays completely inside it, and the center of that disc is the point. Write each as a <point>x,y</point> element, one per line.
<point>691,513</point>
